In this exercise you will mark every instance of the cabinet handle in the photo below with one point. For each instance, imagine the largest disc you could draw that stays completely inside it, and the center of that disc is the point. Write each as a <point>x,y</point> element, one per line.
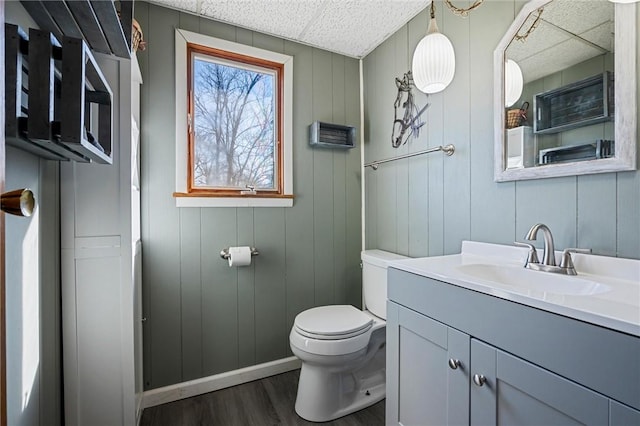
<point>454,363</point>
<point>479,379</point>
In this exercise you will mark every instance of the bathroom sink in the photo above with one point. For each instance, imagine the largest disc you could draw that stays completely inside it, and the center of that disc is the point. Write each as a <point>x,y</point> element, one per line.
<point>605,292</point>
<point>528,280</point>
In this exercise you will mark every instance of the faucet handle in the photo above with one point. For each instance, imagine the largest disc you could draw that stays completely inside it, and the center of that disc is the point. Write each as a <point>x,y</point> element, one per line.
<point>532,256</point>
<point>567,262</point>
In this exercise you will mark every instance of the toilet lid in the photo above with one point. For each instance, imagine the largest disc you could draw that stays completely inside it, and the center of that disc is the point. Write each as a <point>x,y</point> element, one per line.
<point>332,322</point>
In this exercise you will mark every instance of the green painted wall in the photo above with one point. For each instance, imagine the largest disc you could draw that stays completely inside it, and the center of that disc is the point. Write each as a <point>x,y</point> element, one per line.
<point>203,317</point>
<point>426,205</point>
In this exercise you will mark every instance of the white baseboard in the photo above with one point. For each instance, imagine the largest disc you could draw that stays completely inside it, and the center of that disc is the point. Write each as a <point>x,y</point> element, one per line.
<point>191,388</point>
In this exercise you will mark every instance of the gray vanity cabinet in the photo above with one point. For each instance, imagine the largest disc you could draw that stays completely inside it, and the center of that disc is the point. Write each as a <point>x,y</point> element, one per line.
<point>515,392</point>
<point>516,365</point>
<point>506,390</point>
<point>422,352</point>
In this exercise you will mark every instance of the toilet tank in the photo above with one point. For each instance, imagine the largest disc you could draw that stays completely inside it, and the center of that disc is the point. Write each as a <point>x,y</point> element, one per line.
<point>374,280</point>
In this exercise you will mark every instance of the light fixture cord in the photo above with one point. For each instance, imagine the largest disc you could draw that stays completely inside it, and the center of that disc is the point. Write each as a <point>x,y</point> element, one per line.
<point>433,25</point>
<point>533,26</point>
<point>460,11</point>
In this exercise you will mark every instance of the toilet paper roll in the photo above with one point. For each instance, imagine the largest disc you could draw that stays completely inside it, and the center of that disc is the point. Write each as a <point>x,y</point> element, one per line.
<point>239,256</point>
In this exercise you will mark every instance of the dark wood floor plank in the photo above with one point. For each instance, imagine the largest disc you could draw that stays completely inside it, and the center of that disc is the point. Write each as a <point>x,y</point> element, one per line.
<point>265,402</point>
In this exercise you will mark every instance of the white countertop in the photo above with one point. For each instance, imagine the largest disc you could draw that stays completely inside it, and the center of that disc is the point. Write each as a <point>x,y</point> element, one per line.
<point>616,307</point>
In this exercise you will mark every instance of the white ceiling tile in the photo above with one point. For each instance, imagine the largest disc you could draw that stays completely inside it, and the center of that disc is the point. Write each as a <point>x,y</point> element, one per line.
<point>355,27</point>
<point>284,18</point>
<point>186,5</point>
<point>351,27</point>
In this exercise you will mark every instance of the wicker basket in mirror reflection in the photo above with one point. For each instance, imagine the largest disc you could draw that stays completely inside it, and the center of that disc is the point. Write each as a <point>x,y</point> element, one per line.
<point>517,117</point>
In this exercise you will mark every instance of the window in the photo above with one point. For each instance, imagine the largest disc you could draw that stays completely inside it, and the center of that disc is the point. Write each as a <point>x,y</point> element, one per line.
<point>233,124</point>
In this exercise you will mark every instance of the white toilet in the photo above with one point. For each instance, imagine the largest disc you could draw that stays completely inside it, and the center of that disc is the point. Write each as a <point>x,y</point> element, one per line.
<point>342,348</point>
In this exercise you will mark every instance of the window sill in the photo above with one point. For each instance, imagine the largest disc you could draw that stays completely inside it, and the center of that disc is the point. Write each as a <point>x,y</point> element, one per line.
<point>188,200</point>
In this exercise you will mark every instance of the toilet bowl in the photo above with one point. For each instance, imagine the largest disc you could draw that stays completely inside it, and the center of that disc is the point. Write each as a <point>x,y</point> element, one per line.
<point>342,349</point>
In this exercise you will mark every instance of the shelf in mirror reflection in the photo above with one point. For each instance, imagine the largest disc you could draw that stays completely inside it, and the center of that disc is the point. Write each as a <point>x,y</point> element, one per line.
<point>511,160</point>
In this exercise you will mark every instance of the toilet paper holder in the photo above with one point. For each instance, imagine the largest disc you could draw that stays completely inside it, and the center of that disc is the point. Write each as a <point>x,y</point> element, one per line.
<point>224,253</point>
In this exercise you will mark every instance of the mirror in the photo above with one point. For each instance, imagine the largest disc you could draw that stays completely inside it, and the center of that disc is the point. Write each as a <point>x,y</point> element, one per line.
<point>581,95</point>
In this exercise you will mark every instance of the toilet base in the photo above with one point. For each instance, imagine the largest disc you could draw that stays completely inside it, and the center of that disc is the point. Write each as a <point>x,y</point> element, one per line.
<point>325,395</point>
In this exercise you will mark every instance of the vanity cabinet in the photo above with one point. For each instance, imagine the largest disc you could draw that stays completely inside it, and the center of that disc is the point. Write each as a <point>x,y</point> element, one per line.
<point>515,392</point>
<point>419,352</point>
<point>514,364</point>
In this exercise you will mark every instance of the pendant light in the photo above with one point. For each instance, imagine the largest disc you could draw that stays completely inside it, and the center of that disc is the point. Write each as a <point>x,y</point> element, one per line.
<point>513,82</point>
<point>434,60</point>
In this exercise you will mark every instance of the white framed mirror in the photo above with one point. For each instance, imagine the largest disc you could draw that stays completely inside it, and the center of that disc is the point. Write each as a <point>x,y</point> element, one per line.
<point>578,65</point>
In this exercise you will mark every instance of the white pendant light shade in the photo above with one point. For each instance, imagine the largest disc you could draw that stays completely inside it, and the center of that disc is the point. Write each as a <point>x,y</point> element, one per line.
<point>513,83</point>
<point>434,61</point>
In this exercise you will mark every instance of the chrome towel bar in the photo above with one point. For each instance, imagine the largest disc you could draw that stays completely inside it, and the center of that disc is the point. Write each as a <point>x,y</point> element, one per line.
<point>447,149</point>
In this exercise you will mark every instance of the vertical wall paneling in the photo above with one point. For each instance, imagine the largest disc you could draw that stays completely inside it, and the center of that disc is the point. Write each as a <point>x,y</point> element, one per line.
<point>597,210</point>
<point>418,186</point>
<point>386,184</point>
<point>271,333</point>
<point>458,110</point>
<point>246,291</point>
<point>323,200</point>
<point>401,66</point>
<point>189,22</point>
<point>371,212</point>
<point>436,163</point>
<point>203,317</point>
<point>353,181</point>
<point>628,212</point>
<point>298,220</point>
<point>191,292</point>
<point>339,213</point>
<point>558,209</point>
<point>380,142</point>
<point>370,70</point>
<point>496,223</point>
<point>161,259</point>
<point>219,291</point>
<point>454,198</point>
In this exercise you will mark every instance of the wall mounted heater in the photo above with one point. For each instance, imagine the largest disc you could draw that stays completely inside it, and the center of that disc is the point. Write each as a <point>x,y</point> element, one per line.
<point>326,135</point>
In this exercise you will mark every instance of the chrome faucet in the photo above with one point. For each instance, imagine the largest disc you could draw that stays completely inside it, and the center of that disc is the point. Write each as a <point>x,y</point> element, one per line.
<point>548,257</point>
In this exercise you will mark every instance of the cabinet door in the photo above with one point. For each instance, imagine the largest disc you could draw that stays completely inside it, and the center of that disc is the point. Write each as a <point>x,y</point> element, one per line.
<point>515,392</point>
<point>422,387</point>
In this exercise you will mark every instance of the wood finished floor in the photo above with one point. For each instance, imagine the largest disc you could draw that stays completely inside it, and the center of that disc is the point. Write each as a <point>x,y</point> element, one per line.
<point>268,401</point>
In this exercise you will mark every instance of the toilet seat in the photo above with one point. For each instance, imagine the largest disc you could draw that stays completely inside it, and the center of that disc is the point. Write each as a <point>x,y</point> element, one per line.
<point>333,330</point>
<point>333,322</point>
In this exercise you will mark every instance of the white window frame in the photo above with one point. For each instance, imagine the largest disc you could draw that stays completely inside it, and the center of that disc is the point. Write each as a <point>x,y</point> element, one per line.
<point>183,199</point>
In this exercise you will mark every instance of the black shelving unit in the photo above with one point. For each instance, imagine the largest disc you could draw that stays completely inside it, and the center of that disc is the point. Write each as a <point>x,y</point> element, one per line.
<point>55,95</point>
<point>104,25</point>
